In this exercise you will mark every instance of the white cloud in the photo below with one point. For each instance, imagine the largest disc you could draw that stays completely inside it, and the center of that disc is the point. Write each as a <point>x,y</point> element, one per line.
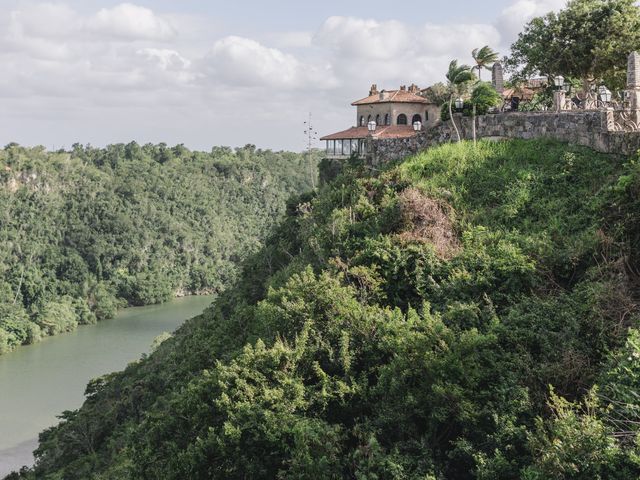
<point>130,21</point>
<point>456,40</point>
<point>44,20</point>
<point>364,38</point>
<point>513,17</point>
<point>39,31</point>
<point>165,59</point>
<point>390,53</point>
<point>245,62</point>
<point>293,40</point>
<point>54,51</point>
<point>167,66</point>
<point>57,21</point>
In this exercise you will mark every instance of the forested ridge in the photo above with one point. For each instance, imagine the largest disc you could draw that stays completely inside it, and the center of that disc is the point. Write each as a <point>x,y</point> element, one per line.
<point>469,313</point>
<point>86,231</point>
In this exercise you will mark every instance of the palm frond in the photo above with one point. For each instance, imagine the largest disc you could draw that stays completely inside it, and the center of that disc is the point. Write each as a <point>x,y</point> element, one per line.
<point>484,57</point>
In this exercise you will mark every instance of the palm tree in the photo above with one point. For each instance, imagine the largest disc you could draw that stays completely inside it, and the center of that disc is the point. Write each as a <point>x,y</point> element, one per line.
<point>457,78</point>
<point>484,57</point>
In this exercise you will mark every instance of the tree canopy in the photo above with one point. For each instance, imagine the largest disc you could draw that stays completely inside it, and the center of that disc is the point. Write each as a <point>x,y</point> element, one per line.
<point>87,231</point>
<point>484,58</point>
<point>589,40</point>
<point>458,77</point>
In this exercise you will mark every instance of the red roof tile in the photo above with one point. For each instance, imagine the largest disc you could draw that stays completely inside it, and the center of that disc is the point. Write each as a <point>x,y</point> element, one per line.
<point>392,96</point>
<point>382,132</point>
<point>524,93</point>
<point>395,131</point>
<point>353,132</point>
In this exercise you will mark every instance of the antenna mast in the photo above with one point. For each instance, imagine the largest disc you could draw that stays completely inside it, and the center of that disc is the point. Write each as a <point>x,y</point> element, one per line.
<point>311,136</point>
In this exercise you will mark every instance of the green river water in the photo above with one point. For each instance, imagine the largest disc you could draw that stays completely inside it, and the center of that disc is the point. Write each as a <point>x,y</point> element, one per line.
<point>38,382</point>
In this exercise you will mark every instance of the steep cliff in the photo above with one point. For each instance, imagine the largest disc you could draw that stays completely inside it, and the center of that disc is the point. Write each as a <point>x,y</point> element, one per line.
<point>467,313</point>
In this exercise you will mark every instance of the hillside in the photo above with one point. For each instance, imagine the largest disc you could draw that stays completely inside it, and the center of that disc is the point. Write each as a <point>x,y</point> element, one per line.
<point>87,231</point>
<point>466,314</point>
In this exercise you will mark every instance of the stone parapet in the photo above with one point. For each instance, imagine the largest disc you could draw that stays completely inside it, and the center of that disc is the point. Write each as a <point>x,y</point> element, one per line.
<point>591,129</point>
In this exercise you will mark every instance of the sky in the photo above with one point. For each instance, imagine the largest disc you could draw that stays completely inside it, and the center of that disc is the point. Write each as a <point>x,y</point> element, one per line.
<point>206,73</point>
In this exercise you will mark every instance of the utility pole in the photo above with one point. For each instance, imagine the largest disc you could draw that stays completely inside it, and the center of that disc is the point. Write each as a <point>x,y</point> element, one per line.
<point>311,136</point>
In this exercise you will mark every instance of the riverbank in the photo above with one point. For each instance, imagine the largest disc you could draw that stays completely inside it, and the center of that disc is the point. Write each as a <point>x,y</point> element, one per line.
<point>40,381</point>
<point>178,294</point>
<point>87,231</point>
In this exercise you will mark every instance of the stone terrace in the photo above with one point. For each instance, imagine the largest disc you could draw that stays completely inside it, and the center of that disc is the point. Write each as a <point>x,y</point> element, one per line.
<point>606,130</point>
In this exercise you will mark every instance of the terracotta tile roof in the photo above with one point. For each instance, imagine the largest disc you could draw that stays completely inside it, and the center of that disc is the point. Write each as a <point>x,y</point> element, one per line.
<point>395,131</point>
<point>382,132</point>
<point>353,132</point>
<point>524,93</point>
<point>391,96</point>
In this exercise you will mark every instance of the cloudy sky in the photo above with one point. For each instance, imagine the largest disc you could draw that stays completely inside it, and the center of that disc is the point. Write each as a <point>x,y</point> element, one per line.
<point>207,73</point>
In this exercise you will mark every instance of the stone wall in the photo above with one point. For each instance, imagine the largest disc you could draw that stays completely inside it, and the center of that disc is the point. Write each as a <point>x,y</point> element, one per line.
<point>588,128</point>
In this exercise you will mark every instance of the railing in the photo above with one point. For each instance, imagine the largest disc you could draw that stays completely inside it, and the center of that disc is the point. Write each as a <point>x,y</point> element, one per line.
<point>592,101</point>
<point>623,120</point>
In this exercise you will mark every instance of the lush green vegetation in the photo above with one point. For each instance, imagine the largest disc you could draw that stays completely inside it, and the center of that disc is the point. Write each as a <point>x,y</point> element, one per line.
<point>86,231</point>
<point>469,313</point>
<point>588,40</point>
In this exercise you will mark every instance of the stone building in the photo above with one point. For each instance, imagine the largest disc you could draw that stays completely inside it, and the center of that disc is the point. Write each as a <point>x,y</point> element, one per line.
<point>394,111</point>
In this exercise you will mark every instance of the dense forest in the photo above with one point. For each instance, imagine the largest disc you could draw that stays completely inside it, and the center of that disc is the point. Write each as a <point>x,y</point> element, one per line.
<point>469,313</point>
<point>86,231</point>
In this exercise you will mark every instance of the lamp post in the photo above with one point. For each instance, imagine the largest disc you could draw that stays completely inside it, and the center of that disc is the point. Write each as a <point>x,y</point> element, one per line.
<point>558,94</point>
<point>605,95</point>
<point>623,95</point>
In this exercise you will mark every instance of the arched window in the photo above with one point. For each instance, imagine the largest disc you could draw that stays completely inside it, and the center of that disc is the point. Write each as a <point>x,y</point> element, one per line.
<point>402,119</point>
<point>426,116</point>
<point>368,118</point>
<point>377,119</point>
<point>387,119</point>
<point>416,118</point>
<point>362,121</point>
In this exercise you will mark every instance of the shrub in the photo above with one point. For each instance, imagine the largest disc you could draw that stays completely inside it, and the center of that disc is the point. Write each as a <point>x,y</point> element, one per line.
<point>57,316</point>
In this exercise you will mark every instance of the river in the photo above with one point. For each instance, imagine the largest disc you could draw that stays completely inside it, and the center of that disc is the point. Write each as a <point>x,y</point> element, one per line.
<point>38,382</point>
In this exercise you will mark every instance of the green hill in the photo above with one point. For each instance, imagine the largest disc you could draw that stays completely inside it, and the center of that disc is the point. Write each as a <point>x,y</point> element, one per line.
<point>86,231</point>
<point>468,313</point>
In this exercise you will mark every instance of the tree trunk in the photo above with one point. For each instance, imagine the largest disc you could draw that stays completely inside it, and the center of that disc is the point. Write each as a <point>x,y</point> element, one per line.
<point>586,86</point>
<point>452,119</point>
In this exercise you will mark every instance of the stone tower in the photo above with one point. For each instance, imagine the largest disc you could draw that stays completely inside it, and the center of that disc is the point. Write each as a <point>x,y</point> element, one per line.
<point>633,71</point>
<point>497,77</point>
<point>633,80</point>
